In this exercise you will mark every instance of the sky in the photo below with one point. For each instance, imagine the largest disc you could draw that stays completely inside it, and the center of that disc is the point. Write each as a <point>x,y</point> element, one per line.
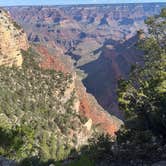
<point>64,2</point>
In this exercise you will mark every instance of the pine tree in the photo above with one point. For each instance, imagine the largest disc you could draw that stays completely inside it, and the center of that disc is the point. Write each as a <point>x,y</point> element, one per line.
<point>143,96</point>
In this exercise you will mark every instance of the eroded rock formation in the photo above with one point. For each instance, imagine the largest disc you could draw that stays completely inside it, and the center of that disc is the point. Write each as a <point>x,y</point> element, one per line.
<point>71,91</point>
<point>12,40</point>
<point>86,104</point>
<point>99,39</point>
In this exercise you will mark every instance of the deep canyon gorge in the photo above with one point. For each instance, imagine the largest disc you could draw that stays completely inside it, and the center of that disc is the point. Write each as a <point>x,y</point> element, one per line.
<point>100,39</point>
<point>83,85</point>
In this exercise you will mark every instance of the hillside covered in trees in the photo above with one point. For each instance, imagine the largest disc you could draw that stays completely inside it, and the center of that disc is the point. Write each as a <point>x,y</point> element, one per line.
<point>36,119</point>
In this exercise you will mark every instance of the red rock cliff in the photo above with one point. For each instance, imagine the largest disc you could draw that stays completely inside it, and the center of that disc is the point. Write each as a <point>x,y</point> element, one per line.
<point>88,105</point>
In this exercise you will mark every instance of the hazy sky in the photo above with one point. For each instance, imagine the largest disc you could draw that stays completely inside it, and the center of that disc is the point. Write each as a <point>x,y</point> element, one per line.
<point>61,2</point>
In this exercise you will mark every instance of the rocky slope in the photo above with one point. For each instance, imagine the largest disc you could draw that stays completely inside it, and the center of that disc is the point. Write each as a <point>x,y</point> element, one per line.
<point>114,62</point>
<point>13,39</point>
<point>99,39</point>
<point>87,104</point>
<point>45,110</point>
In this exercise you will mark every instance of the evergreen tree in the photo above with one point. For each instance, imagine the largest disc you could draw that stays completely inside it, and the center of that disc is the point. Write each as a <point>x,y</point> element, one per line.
<point>143,96</point>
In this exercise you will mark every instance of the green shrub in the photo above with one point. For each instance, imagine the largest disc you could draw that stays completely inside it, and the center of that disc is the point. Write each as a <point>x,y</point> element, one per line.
<point>28,100</point>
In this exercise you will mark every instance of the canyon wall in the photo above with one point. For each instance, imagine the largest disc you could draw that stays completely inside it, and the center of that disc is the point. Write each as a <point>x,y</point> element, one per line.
<point>12,40</point>
<point>70,90</point>
<point>100,39</point>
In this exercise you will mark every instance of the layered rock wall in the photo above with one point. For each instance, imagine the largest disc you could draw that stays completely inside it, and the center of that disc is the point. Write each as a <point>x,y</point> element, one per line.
<point>12,40</point>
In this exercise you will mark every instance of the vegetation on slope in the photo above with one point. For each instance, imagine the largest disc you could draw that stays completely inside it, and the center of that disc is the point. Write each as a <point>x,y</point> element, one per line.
<point>143,99</point>
<point>35,118</point>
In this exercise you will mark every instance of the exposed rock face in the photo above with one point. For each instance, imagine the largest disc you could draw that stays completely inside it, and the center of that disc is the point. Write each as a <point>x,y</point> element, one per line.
<point>98,38</point>
<point>12,40</point>
<point>103,73</point>
<point>71,25</point>
<point>53,106</point>
<point>84,103</point>
<point>92,110</point>
<point>15,40</point>
<point>50,61</point>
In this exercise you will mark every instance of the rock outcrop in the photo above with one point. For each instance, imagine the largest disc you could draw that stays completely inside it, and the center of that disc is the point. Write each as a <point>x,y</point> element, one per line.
<point>12,40</point>
<point>93,111</point>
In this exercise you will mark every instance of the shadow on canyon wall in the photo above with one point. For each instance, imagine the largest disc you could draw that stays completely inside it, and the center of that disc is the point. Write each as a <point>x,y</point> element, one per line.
<point>114,62</point>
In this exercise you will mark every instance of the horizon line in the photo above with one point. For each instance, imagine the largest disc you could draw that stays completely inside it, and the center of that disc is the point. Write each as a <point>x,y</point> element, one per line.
<point>75,4</point>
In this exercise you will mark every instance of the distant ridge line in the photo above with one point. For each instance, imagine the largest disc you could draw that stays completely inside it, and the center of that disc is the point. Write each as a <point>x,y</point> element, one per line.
<point>88,5</point>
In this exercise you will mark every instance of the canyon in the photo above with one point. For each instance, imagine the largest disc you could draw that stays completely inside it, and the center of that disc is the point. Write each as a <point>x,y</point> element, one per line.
<point>25,69</point>
<point>45,110</point>
<point>59,77</point>
<point>100,40</point>
<point>58,91</point>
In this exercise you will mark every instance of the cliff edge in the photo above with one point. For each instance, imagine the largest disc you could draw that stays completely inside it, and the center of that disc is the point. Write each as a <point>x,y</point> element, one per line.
<point>12,40</point>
